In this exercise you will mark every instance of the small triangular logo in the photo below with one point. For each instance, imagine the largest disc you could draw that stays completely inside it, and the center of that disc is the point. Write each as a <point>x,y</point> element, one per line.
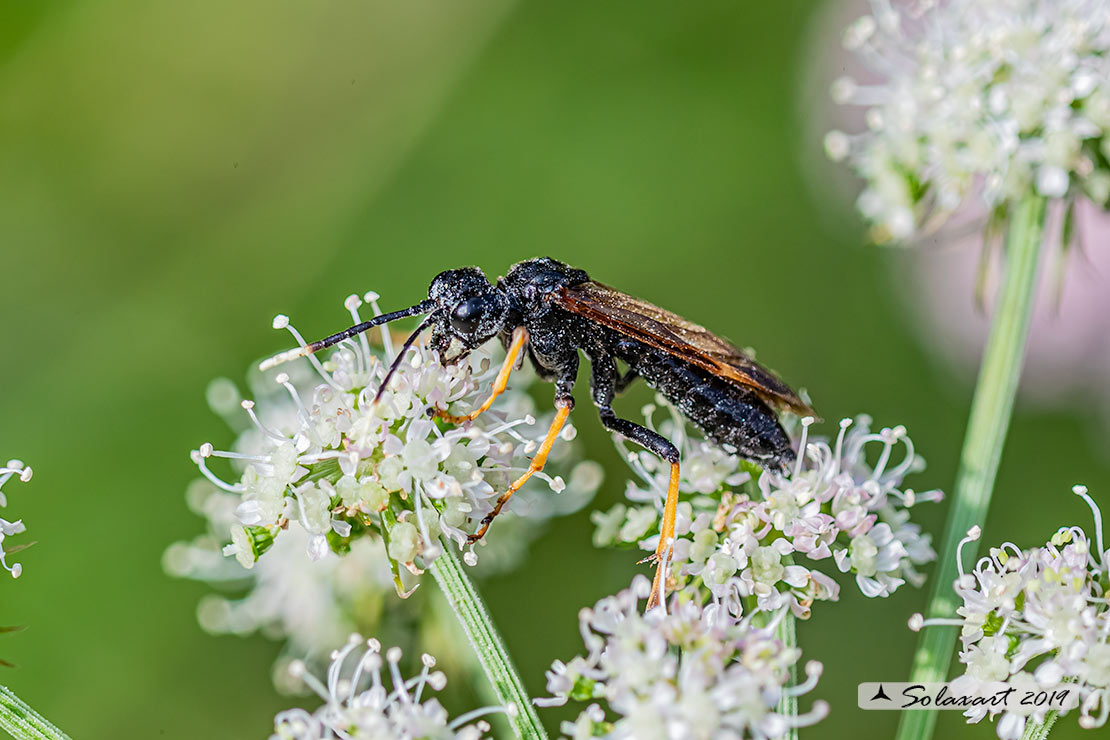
<point>880,694</point>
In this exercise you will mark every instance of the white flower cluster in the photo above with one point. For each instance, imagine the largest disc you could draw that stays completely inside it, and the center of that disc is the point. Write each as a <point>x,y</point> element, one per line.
<point>341,466</point>
<point>1036,618</point>
<point>359,705</point>
<point>689,673</point>
<point>755,544</point>
<point>14,468</point>
<point>996,97</point>
<point>313,604</point>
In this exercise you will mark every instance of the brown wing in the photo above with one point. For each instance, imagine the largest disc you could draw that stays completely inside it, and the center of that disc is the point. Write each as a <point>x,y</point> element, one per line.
<point>676,336</point>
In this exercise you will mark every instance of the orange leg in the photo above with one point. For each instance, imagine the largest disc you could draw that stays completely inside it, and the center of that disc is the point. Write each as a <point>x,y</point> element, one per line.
<point>666,537</point>
<point>520,337</point>
<point>536,465</point>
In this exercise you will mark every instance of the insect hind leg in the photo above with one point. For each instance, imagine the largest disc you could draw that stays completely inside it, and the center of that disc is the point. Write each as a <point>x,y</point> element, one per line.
<point>666,450</point>
<point>641,435</point>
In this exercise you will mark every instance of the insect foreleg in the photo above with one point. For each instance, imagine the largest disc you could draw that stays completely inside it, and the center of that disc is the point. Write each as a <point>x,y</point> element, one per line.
<point>520,338</point>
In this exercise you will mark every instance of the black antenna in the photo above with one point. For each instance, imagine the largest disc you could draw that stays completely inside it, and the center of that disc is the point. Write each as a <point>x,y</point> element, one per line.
<point>419,308</point>
<point>400,356</point>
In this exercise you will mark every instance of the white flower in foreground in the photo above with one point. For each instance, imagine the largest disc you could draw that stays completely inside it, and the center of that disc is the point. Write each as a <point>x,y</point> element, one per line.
<point>759,544</point>
<point>1037,617</point>
<point>343,467</point>
<point>999,98</point>
<point>14,468</point>
<point>689,673</point>
<point>361,705</point>
<point>300,580</point>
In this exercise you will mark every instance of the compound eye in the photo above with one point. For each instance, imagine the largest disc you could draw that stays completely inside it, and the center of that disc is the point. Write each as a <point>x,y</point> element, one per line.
<point>466,316</point>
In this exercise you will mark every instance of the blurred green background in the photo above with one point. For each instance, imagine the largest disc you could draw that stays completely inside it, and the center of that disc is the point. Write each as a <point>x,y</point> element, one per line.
<point>174,174</point>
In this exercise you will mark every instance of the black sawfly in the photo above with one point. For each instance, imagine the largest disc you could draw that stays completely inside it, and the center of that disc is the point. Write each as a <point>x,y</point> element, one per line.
<point>548,312</point>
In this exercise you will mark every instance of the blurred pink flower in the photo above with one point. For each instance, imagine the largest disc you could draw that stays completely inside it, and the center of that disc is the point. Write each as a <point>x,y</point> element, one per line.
<point>1068,357</point>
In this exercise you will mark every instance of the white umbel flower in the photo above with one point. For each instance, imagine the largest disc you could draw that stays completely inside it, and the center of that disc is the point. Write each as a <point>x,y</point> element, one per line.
<point>14,469</point>
<point>992,98</point>
<point>366,698</point>
<point>684,674</point>
<point>1037,617</point>
<point>305,579</point>
<point>777,541</point>
<point>341,466</point>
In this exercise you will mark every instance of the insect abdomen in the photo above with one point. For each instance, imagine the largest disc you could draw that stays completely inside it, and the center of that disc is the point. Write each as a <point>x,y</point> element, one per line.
<point>728,414</point>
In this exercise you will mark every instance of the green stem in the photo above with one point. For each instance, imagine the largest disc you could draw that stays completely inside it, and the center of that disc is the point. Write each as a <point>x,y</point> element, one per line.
<point>788,704</point>
<point>1040,732</point>
<point>487,643</point>
<point>986,432</point>
<point>24,723</point>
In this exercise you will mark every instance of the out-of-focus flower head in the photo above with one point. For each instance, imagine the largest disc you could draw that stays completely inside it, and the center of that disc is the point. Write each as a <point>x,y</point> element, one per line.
<point>678,672</point>
<point>14,469</point>
<point>366,702</point>
<point>994,99</point>
<point>1067,362</point>
<point>1037,617</point>
<point>310,605</point>
<point>335,502</point>
<point>760,543</point>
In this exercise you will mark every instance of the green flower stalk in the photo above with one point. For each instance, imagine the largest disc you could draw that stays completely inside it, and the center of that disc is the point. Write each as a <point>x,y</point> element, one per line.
<point>986,433</point>
<point>488,646</point>
<point>24,723</point>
